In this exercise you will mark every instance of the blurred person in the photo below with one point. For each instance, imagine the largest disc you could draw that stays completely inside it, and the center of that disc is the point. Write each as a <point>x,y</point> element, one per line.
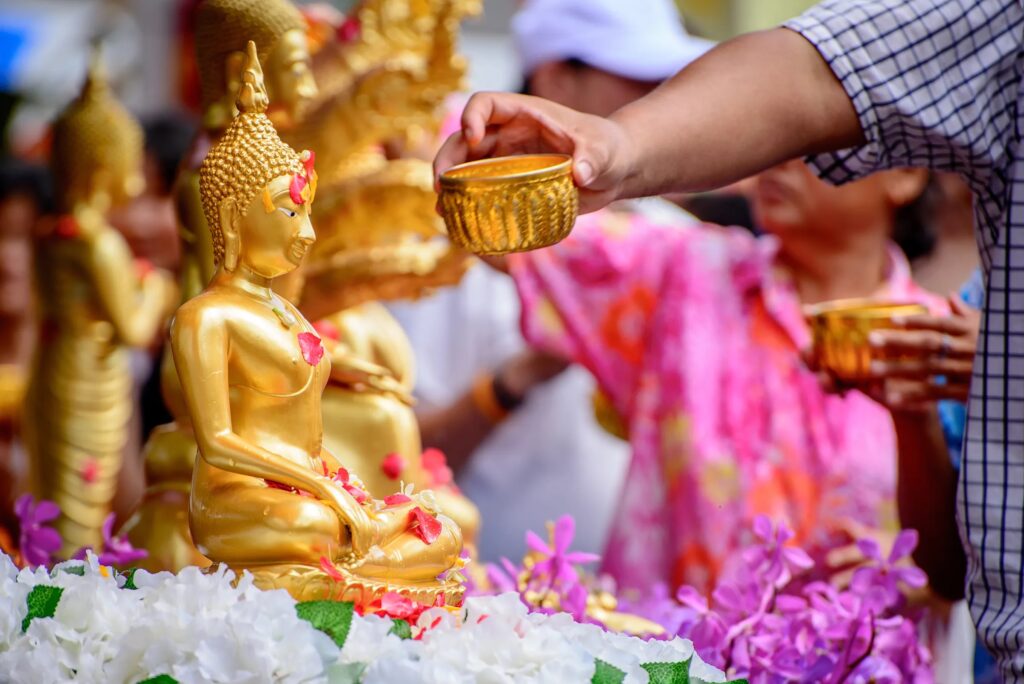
<point>517,425</point>
<point>697,336</point>
<point>952,256</point>
<point>25,196</point>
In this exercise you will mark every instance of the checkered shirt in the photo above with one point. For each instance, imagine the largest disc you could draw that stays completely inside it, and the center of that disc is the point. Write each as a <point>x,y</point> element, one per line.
<point>938,83</point>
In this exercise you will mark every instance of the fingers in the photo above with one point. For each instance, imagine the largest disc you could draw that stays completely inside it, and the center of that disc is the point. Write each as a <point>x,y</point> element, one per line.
<point>951,325</point>
<point>921,342</point>
<point>922,367</point>
<point>916,396</point>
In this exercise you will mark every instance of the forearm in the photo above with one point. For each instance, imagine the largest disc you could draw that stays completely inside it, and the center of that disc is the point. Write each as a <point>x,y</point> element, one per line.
<point>926,497</point>
<point>457,430</point>
<point>749,104</point>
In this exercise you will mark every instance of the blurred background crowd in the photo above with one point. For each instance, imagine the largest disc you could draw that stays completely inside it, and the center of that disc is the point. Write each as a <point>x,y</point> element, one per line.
<point>555,444</point>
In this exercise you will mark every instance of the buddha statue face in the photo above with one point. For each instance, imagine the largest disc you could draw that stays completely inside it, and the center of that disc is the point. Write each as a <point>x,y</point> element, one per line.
<point>273,235</point>
<point>289,77</point>
<point>223,27</point>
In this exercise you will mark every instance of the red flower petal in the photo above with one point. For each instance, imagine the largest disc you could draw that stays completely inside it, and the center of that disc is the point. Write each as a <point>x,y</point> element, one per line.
<point>90,470</point>
<point>349,30</point>
<point>295,188</point>
<point>66,227</point>
<point>424,525</point>
<point>392,466</point>
<point>396,499</point>
<point>143,267</point>
<point>341,476</point>
<point>327,329</point>
<point>312,350</point>
<point>395,605</point>
<point>332,571</point>
<point>434,458</point>
<point>358,494</point>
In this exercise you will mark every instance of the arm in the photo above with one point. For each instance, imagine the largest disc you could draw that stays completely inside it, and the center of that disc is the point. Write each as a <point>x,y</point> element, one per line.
<point>926,497</point>
<point>135,312</point>
<point>200,346</point>
<point>843,76</point>
<point>459,428</point>
<point>702,116</point>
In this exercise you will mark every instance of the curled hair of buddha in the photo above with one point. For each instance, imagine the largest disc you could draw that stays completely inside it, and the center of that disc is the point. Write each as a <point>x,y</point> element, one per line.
<point>226,26</point>
<point>95,133</point>
<point>247,157</point>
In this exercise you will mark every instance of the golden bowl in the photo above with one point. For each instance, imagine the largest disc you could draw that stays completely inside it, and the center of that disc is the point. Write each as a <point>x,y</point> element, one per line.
<point>840,330</point>
<point>509,204</point>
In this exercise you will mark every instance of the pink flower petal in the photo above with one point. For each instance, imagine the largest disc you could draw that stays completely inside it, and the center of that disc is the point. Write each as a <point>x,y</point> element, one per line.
<point>906,542</point>
<point>535,543</point>
<point>423,525</point>
<point>392,466</point>
<point>312,349</point>
<point>327,329</point>
<point>332,571</point>
<point>396,499</point>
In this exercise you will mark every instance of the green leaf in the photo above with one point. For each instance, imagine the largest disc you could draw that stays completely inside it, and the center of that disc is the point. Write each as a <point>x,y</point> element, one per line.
<point>605,673</point>
<point>129,578</point>
<point>333,618</point>
<point>668,673</point>
<point>42,603</point>
<point>74,570</point>
<point>401,628</point>
<point>160,679</point>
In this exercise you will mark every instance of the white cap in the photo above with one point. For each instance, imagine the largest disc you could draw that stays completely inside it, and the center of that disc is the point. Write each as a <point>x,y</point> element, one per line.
<point>638,39</point>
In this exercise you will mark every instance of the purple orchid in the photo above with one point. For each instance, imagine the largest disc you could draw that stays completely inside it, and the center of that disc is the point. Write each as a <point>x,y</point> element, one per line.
<point>557,562</point>
<point>38,542</point>
<point>116,550</point>
<point>884,575</point>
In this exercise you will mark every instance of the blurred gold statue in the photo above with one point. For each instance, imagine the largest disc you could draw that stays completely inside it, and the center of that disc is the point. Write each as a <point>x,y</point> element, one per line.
<point>96,302</point>
<point>266,497</point>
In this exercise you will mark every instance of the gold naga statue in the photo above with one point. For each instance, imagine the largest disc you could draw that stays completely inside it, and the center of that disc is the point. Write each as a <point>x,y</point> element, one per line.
<point>266,496</point>
<point>96,302</point>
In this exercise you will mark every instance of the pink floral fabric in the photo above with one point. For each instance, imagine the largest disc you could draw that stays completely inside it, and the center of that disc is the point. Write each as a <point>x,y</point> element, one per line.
<point>697,340</point>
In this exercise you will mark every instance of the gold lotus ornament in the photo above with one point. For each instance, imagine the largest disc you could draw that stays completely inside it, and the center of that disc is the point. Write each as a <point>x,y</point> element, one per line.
<point>509,204</point>
<point>840,330</point>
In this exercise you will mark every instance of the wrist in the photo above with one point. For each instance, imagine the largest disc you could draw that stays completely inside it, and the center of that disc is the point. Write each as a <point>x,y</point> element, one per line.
<point>493,399</point>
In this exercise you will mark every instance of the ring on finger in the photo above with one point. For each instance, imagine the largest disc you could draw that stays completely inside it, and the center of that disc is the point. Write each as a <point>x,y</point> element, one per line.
<point>945,345</point>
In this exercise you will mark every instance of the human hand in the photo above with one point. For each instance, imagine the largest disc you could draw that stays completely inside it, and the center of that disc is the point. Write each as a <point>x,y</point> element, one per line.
<point>499,124</point>
<point>934,347</point>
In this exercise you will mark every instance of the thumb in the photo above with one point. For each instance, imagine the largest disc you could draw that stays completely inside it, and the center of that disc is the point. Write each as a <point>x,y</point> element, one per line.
<point>583,171</point>
<point>958,305</point>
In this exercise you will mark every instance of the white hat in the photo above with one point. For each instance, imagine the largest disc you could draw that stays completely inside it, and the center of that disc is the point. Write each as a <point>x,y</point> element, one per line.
<point>639,39</point>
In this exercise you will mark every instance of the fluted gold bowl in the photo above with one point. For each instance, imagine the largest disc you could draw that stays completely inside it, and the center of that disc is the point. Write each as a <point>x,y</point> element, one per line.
<point>840,330</point>
<point>509,204</point>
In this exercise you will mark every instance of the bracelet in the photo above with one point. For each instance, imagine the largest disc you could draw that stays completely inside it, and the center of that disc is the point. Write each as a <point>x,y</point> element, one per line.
<point>485,399</point>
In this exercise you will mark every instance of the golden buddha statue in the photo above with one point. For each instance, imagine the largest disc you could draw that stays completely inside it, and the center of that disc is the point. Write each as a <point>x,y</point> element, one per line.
<point>159,524</point>
<point>96,302</point>
<point>266,496</point>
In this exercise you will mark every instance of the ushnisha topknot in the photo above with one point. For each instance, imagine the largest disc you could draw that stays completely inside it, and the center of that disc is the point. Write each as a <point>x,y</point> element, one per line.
<point>95,133</point>
<point>247,157</point>
<point>226,26</point>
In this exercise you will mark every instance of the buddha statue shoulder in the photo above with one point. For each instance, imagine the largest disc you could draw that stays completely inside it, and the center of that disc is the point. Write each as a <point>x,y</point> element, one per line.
<point>160,523</point>
<point>267,496</point>
<point>96,302</point>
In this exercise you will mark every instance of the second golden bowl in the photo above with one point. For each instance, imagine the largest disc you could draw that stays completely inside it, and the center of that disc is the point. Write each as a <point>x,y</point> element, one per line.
<point>509,204</point>
<point>841,328</point>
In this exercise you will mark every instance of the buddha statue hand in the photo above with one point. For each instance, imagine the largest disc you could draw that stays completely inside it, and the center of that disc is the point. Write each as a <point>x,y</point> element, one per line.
<point>349,370</point>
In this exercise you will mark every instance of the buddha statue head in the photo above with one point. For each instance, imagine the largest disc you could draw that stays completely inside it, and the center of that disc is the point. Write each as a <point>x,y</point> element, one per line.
<point>97,148</point>
<point>223,27</point>
<point>256,191</point>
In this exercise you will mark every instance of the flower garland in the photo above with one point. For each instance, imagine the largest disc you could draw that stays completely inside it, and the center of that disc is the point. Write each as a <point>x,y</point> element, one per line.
<point>82,620</point>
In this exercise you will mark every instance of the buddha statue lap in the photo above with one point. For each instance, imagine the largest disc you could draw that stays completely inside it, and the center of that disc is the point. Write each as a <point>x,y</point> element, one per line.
<point>266,496</point>
<point>96,303</point>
